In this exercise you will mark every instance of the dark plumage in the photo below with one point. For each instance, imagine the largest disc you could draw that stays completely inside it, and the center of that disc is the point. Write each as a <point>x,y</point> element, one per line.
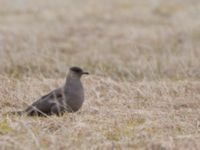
<point>68,98</point>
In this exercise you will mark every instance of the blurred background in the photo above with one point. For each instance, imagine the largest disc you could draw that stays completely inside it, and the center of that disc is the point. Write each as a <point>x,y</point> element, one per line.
<point>124,39</point>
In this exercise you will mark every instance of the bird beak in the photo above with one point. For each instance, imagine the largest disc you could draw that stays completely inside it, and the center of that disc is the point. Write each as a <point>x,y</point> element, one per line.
<point>86,73</point>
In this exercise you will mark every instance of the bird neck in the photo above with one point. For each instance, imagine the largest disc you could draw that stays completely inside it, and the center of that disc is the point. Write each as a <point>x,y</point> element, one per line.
<point>72,80</point>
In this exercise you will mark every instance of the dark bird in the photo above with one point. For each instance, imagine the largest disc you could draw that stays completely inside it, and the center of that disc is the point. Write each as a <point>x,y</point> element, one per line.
<point>68,98</point>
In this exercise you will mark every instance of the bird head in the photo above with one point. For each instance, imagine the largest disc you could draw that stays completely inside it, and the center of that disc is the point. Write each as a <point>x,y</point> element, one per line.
<point>78,71</point>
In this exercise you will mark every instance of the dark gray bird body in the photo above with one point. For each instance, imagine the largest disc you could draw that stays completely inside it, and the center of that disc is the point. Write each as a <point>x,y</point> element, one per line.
<point>68,98</point>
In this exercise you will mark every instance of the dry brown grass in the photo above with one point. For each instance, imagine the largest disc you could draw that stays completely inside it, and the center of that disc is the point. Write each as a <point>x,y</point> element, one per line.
<point>144,91</point>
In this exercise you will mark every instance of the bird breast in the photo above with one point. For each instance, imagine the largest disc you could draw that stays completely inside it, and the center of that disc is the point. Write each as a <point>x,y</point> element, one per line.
<point>75,96</point>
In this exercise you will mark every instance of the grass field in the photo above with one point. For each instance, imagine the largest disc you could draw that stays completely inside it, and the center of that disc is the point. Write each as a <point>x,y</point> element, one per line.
<point>144,60</point>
